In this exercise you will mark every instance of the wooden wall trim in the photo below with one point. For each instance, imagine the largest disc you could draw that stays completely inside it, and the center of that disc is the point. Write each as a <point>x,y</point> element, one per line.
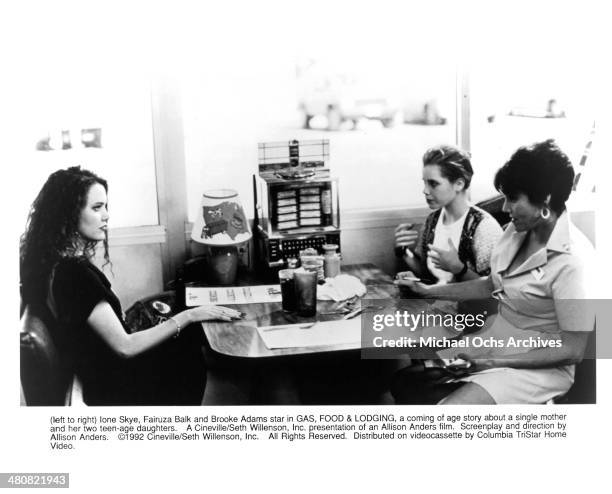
<point>137,235</point>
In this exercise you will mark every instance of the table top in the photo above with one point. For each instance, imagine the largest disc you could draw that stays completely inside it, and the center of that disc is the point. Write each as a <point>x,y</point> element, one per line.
<point>241,339</point>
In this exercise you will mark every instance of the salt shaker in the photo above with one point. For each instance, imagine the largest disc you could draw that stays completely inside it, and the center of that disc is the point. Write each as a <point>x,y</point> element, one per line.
<point>331,261</point>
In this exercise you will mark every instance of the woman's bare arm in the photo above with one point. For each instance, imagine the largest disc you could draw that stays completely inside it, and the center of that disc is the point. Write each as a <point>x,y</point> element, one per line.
<point>107,325</point>
<point>480,288</point>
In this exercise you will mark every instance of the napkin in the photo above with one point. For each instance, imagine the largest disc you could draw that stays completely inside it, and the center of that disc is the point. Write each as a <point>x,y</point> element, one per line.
<point>341,287</point>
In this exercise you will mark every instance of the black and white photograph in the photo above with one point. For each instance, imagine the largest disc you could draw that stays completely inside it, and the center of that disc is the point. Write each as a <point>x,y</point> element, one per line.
<point>237,228</point>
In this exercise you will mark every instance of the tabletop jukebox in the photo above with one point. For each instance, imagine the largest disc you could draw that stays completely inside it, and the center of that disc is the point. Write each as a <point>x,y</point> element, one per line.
<point>296,200</point>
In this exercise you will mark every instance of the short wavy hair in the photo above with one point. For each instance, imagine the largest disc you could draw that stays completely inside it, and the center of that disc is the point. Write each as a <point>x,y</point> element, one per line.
<point>538,171</point>
<point>454,163</point>
<point>52,227</point>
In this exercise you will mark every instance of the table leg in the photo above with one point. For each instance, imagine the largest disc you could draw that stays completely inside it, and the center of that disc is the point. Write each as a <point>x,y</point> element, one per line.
<point>227,387</point>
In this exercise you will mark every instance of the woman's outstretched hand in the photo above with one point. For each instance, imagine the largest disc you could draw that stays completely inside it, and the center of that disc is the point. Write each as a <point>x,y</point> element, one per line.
<point>476,364</point>
<point>212,312</point>
<point>410,280</point>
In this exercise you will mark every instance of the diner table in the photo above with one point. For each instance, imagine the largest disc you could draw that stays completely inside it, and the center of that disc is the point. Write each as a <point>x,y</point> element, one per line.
<point>235,351</point>
<point>240,339</point>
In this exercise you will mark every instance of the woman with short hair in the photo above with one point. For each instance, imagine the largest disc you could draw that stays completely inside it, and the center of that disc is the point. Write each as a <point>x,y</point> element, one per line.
<point>539,275</point>
<point>457,239</point>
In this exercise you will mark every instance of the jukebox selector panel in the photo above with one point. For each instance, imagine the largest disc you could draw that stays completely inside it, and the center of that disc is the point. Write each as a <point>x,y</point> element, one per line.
<point>285,248</point>
<point>301,206</point>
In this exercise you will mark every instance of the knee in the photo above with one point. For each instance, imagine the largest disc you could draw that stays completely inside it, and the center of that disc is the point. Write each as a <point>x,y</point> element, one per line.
<point>468,394</point>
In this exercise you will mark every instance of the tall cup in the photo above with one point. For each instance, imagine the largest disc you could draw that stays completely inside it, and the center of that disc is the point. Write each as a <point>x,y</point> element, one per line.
<point>305,292</point>
<point>285,277</point>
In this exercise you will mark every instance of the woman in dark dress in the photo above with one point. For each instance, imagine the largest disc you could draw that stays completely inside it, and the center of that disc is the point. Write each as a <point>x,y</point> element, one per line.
<point>162,365</point>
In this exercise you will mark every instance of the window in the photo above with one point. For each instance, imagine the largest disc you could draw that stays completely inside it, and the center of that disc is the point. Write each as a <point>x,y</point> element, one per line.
<point>99,118</point>
<point>380,114</point>
<point>513,105</point>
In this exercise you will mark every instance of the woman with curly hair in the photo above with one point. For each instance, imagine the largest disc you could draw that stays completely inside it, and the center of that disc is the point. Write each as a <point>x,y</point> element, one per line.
<point>456,241</point>
<point>67,222</point>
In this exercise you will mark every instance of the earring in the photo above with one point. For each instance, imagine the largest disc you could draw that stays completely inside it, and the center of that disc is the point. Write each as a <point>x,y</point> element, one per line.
<point>545,213</point>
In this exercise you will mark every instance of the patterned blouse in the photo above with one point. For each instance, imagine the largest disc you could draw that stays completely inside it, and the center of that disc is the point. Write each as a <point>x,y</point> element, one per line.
<point>479,235</point>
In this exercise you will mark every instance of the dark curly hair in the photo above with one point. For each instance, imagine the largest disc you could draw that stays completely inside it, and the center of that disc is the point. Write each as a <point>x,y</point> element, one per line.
<point>538,171</point>
<point>453,162</point>
<point>52,228</point>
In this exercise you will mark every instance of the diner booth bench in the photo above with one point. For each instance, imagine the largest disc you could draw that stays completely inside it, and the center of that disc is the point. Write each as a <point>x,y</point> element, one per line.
<point>45,381</point>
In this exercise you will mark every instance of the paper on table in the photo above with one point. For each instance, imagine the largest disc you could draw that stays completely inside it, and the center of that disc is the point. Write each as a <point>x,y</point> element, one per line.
<point>228,295</point>
<point>321,334</point>
<point>342,287</point>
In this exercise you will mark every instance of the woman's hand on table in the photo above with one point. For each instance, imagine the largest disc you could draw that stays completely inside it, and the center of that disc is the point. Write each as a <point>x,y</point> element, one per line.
<point>411,281</point>
<point>213,312</point>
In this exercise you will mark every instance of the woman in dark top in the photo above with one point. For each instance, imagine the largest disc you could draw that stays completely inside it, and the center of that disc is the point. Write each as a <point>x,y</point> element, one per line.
<point>161,365</point>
